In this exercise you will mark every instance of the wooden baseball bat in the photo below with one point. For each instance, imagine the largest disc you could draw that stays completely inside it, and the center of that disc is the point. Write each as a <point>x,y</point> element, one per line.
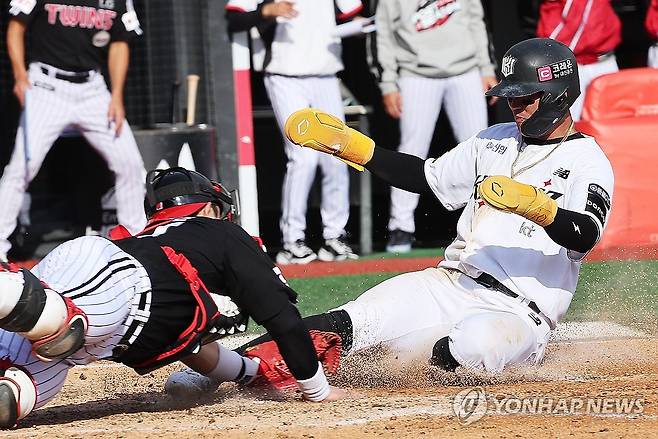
<point>192,86</point>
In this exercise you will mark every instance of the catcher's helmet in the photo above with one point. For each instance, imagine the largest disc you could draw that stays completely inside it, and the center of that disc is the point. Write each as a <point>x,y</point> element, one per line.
<point>177,192</point>
<point>540,65</point>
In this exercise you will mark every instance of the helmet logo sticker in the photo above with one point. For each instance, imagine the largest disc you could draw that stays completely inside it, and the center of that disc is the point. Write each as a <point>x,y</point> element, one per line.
<point>508,65</point>
<point>556,70</point>
<point>544,73</point>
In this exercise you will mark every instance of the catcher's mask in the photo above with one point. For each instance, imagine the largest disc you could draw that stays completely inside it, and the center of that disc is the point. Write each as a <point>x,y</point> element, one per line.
<point>540,65</point>
<point>178,192</point>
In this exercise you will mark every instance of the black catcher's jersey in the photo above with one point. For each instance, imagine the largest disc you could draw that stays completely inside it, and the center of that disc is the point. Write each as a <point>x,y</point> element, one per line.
<point>229,262</point>
<point>75,35</point>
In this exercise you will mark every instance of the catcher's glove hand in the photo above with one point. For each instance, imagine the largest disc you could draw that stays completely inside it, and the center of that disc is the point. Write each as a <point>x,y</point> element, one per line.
<point>326,133</point>
<point>273,370</point>
<point>509,195</point>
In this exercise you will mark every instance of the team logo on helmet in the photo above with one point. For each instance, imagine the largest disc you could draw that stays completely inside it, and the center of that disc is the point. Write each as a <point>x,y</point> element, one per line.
<point>508,66</point>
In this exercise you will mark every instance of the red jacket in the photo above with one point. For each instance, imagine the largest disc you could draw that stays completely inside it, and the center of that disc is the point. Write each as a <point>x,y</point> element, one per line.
<point>651,22</point>
<point>589,27</point>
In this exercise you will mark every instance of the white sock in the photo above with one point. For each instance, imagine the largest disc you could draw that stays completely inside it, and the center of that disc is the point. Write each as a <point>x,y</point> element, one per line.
<point>315,388</point>
<point>232,366</point>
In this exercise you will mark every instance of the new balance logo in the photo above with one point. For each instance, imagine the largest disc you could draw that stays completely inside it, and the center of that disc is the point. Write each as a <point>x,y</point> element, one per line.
<point>562,173</point>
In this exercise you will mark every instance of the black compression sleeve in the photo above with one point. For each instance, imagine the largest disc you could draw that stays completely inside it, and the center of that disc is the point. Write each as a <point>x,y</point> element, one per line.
<point>239,21</point>
<point>404,171</point>
<point>291,336</point>
<point>573,230</point>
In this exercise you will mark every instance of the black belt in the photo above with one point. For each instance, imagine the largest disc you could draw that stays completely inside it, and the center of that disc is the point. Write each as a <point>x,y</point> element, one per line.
<point>76,78</point>
<point>490,282</point>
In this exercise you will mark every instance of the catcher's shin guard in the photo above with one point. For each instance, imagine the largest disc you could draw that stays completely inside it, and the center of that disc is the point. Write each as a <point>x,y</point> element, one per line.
<point>54,325</point>
<point>18,394</point>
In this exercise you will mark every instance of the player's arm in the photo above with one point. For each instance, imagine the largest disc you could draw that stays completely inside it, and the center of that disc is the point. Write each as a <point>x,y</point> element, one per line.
<point>577,226</point>
<point>117,64</point>
<point>384,61</point>
<point>260,290</point>
<point>450,177</point>
<point>404,171</point>
<point>241,16</point>
<point>16,49</point>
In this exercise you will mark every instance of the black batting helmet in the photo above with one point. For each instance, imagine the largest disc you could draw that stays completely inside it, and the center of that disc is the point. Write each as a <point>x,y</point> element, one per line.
<point>540,65</point>
<point>177,192</point>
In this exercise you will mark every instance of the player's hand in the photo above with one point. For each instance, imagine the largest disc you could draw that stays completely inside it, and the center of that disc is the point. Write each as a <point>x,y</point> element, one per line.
<point>21,85</point>
<point>393,104</point>
<point>283,9</point>
<point>509,195</point>
<point>116,114</point>
<point>487,83</point>
<point>323,132</point>
<point>335,394</point>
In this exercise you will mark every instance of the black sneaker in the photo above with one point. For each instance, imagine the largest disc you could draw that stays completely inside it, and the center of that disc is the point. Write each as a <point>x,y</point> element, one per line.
<point>296,253</point>
<point>336,249</point>
<point>399,241</point>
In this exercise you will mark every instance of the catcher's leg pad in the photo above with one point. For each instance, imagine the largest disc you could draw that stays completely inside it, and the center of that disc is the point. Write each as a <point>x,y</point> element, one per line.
<point>273,370</point>
<point>54,325</point>
<point>18,394</point>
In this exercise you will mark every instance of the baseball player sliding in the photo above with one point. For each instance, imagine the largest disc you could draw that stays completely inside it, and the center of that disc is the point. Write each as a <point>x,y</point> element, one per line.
<point>151,299</point>
<point>536,196</point>
<point>63,87</point>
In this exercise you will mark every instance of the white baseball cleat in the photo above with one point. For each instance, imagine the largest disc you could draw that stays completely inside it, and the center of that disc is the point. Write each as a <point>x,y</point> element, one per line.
<point>189,384</point>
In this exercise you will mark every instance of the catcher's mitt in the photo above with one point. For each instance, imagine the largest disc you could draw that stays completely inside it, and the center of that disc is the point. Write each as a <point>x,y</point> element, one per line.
<point>273,371</point>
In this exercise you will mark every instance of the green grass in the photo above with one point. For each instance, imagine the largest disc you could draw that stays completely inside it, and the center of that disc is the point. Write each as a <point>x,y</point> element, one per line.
<point>415,253</point>
<point>622,291</point>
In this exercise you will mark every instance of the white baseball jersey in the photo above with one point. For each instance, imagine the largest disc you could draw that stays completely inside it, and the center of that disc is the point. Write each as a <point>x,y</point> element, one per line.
<point>512,249</point>
<point>306,44</point>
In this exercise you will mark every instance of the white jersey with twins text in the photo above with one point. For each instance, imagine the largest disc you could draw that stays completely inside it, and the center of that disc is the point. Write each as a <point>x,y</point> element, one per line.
<point>512,249</point>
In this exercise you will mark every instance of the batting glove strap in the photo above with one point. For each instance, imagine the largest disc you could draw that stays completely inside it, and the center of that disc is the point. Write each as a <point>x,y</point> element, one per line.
<point>316,388</point>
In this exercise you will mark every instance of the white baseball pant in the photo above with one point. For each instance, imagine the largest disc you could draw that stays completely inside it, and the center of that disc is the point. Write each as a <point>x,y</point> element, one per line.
<point>287,95</point>
<point>652,56</point>
<point>52,105</point>
<point>586,74</point>
<point>409,313</point>
<point>422,99</point>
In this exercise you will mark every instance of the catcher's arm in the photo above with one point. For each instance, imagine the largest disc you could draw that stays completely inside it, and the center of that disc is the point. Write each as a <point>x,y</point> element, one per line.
<point>293,356</point>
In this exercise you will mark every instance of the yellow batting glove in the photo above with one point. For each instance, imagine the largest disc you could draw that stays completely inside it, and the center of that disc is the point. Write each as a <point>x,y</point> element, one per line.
<point>326,133</point>
<point>509,195</point>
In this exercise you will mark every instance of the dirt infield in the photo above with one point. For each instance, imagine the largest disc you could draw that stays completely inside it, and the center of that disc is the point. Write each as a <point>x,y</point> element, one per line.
<point>107,400</point>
